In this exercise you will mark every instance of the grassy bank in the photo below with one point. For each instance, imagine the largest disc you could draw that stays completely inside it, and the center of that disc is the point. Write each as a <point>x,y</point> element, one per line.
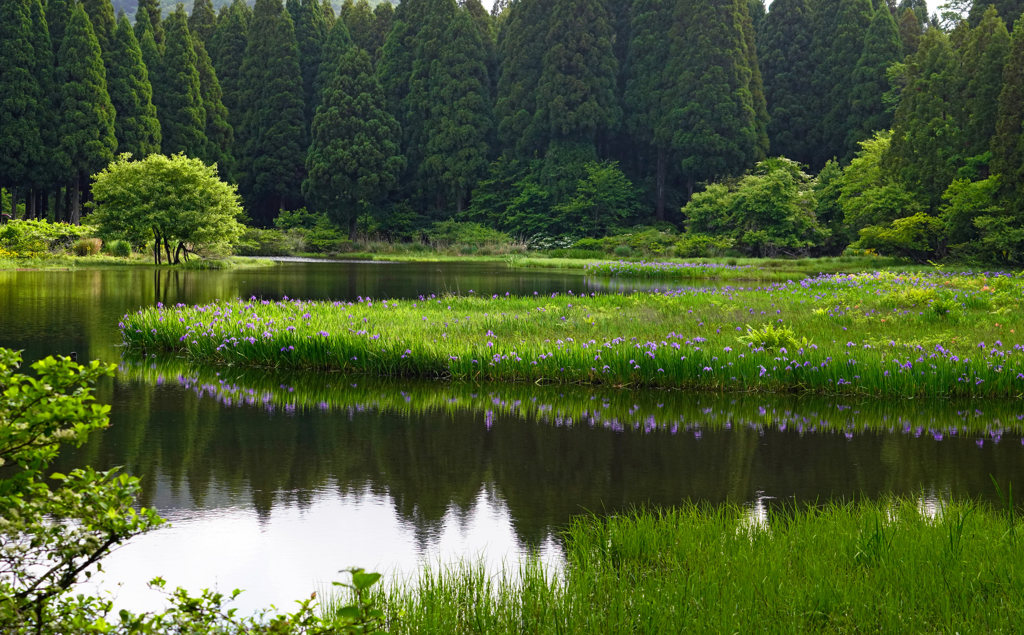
<point>654,411</point>
<point>873,334</point>
<point>67,261</point>
<point>872,567</point>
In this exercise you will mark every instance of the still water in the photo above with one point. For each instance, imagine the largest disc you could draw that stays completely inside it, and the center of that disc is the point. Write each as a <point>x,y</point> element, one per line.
<point>275,482</point>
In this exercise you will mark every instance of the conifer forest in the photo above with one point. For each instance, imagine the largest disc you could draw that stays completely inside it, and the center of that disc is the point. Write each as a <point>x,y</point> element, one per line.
<point>807,127</point>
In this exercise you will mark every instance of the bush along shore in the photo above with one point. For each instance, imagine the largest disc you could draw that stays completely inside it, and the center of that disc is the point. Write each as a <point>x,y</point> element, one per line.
<point>873,333</point>
<point>643,412</point>
<point>891,566</point>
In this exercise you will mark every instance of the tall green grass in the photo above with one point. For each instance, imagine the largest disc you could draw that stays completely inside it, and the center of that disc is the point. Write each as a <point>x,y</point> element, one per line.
<point>892,566</point>
<point>873,334</point>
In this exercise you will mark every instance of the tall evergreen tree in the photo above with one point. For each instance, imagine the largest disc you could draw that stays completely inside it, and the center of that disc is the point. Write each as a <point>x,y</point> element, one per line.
<point>136,125</point>
<point>101,14</point>
<point>361,25</point>
<point>461,119</point>
<point>425,81</point>
<point>910,31</point>
<point>43,171</point>
<point>576,91</point>
<point>151,57</point>
<point>86,131</point>
<point>383,21</point>
<point>179,102</point>
<point>202,21</point>
<point>485,26</point>
<point>272,161</point>
<point>219,135</point>
<point>983,58</point>
<point>847,36</point>
<point>927,141</point>
<point>1007,9</point>
<point>337,44</point>
<point>757,97</point>
<point>311,35</point>
<point>882,48</point>
<point>646,106</point>
<point>152,10</point>
<point>713,114</point>
<point>354,156</point>
<point>522,44</point>
<point>1008,142</point>
<point>329,15</point>
<point>232,39</point>
<point>20,138</point>
<point>394,68</point>
<point>58,14</point>
<point>788,79</point>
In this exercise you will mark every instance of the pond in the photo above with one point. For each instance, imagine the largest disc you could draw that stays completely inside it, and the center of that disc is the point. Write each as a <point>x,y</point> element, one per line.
<point>274,482</point>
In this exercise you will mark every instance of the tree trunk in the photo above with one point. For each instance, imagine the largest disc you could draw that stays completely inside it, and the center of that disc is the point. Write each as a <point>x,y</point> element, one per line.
<point>44,204</point>
<point>156,255</point>
<point>14,203</point>
<point>76,201</point>
<point>167,250</point>
<point>352,228</point>
<point>689,188</point>
<point>659,206</point>
<point>30,203</point>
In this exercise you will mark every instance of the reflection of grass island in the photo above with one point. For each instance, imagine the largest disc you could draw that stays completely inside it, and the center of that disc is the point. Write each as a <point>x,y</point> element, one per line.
<point>876,333</point>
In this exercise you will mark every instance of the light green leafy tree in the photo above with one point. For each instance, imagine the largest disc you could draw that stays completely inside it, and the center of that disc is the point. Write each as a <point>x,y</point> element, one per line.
<point>170,200</point>
<point>602,200</point>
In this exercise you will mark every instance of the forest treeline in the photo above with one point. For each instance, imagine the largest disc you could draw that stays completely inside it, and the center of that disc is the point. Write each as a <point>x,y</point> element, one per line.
<point>809,128</point>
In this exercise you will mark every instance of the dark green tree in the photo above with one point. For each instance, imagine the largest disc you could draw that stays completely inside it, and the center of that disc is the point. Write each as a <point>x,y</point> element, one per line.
<point>383,21</point>
<point>43,171</point>
<point>910,31</point>
<point>329,15</point>
<point>461,120</point>
<point>58,14</point>
<point>485,26</point>
<point>927,148</point>
<point>757,97</point>
<point>1008,9</point>
<point>788,79</point>
<point>522,43</point>
<point>136,125</point>
<point>311,35</point>
<point>882,48</point>
<point>101,14</point>
<point>179,102</point>
<point>361,25</point>
<point>354,158</point>
<point>20,137</point>
<point>152,10</point>
<point>151,56</point>
<point>337,44</point>
<point>576,99</point>
<point>713,115</point>
<point>220,137</point>
<point>983,58</point>
<point>420,124</point>
<point>847,36</point>
<point>202,21</point>
<point>1008,142</point>
<point>86,131</point>
<point>646,106</point>
<point>232,40</point>
<point>273,161</point>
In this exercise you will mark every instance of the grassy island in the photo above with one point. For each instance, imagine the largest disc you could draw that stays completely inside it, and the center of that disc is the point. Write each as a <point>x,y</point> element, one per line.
<point>876,333</point>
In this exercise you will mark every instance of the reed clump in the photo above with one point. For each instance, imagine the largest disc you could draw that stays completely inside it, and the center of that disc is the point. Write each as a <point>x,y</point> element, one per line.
<point>848,334</point>
<point>890,566</point>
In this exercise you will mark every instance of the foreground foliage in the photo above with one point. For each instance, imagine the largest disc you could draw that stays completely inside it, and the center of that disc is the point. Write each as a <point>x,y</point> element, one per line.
<point>891,566</point>
<point>52,537</point>
<point>875,333</point>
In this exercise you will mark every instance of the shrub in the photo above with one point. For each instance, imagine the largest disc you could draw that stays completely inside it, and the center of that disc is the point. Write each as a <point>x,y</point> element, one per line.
<point>773,337</point>
<point>452,232</point>
<point>623,251</point>
<point>271,242</point>
<point>702,246</point>
<point>87,247</point>
<point>31,236</point>
<point>120,249</point>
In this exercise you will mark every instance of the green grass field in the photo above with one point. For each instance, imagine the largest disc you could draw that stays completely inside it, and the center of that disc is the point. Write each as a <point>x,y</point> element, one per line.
<point>892,566</point>
<point>882,333</point>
